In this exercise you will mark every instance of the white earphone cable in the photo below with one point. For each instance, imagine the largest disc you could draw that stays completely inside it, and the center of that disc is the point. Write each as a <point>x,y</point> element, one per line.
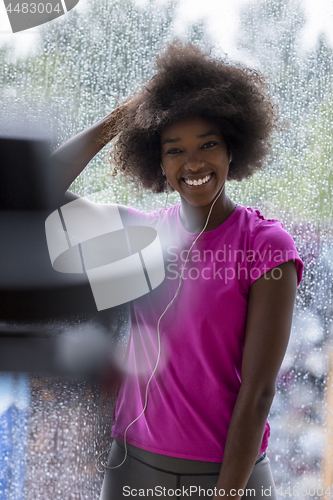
<point>104,464</point>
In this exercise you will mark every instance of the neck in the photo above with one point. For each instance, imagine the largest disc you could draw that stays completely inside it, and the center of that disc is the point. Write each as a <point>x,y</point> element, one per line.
<point>194,218</point>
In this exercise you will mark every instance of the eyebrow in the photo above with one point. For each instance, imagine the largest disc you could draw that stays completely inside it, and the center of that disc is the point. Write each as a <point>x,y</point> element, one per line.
<point>202,136</point>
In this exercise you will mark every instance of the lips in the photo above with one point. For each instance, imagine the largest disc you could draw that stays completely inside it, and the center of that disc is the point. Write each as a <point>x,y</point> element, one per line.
<point>199,181</point>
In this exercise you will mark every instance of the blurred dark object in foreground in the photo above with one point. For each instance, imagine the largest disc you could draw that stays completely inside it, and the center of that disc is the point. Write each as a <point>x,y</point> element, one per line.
<point>25,179</point>
<point>79,350</point>
<point>30,289</point>
<point>33,296</point>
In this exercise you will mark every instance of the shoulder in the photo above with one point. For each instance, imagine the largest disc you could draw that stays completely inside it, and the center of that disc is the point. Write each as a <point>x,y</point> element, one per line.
<point>254,221</point>
<point>260,230</point>
<point>268,241</point>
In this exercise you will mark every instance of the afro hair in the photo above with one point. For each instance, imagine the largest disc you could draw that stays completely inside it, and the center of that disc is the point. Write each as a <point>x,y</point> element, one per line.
<point>189,82</point>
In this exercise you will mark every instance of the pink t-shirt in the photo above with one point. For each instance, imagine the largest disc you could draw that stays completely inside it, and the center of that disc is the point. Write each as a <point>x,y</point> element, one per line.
<point>192,395</point>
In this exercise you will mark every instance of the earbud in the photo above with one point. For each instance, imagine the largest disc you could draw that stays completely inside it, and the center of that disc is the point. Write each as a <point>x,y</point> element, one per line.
<point>230,156</point>
<point>163,173</point>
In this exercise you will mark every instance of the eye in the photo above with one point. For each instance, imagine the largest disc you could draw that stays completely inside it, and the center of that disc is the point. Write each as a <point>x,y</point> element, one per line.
<point>209,144</point>
<point>173,151</point>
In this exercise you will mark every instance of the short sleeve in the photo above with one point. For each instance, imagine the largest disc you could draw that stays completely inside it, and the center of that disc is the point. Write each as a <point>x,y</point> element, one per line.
<point>271,246</point>
<point>137,218</point>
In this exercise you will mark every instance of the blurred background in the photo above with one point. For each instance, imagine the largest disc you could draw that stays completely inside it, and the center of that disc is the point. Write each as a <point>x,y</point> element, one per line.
<point>74,70</point>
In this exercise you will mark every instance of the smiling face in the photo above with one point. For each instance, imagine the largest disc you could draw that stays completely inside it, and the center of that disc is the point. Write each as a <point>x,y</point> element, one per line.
<point>195,159</point>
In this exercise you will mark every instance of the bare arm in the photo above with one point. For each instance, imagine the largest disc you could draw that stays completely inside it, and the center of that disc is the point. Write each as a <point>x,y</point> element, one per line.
<point>68,161</point>
<point>270,309</point>
<point>73,156</point>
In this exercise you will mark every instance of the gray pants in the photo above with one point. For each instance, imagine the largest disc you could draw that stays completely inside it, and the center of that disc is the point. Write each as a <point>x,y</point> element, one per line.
<point>150,475</point>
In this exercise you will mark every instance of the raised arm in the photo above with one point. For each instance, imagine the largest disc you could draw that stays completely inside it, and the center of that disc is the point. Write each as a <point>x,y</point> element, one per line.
<point>270,309</point>
<point>72,157</point>
<point>68,161</point>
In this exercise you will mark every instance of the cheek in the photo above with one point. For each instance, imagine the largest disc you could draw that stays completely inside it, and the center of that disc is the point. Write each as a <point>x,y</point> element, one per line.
<point>170,167</point>
<point>171,177</point>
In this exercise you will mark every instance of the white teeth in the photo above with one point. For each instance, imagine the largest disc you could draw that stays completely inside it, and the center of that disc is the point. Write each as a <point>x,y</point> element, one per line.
<point>197,182</point>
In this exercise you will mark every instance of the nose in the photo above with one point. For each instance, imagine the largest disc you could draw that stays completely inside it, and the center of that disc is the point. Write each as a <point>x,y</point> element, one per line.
<point>193,161</point>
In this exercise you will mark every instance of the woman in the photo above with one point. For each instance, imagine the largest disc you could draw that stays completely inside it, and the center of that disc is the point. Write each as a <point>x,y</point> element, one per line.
<point>192,413</point>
